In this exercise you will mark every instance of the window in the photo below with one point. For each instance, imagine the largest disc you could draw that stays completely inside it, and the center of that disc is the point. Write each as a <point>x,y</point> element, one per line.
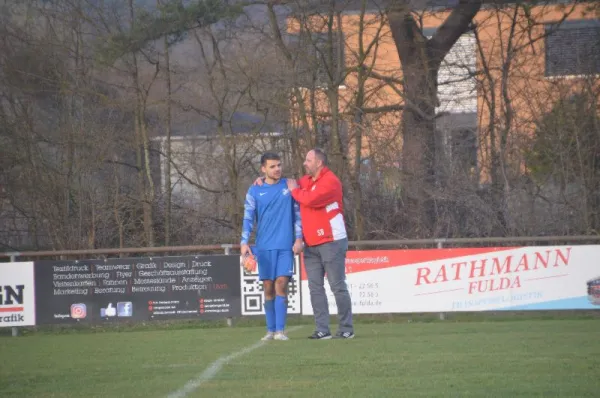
<point>464,149</point>
<point>457,142</point>
<point>573,48</point>
<point>457,90</point>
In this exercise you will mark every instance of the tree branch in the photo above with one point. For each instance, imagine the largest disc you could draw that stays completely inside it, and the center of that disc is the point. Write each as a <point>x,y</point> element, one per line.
<point>453,27</point>
<point>379,109</point>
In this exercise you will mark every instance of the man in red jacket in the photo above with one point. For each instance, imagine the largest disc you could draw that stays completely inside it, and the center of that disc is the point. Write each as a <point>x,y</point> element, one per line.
<point>321,209</point>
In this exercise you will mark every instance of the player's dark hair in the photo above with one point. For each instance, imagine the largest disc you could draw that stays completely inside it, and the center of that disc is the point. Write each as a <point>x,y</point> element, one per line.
<point>321,155</point>
<point>268,156</point>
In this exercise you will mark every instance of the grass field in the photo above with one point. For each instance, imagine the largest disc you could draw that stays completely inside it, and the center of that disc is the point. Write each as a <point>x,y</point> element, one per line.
<point>526,358</point>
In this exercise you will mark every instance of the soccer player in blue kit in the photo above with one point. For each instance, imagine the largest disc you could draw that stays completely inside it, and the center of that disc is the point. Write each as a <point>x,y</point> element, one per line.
<point>278,238</point>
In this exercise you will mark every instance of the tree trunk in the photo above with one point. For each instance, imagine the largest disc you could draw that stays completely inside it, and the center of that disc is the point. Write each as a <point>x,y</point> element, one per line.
<point>418,151</point>
<point>418,120</point>
<point>146,184</point>
<point>167,174</point>
<point>362,75</point>
<point>421,59</point>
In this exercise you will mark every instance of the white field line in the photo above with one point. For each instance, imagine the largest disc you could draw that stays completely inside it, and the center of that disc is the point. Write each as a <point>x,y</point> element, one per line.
<point>216,367</point>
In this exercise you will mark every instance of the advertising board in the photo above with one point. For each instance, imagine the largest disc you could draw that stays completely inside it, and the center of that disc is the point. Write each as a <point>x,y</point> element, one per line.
<point>137,289</point>
<point>470,279</point>
<point>17,303</point>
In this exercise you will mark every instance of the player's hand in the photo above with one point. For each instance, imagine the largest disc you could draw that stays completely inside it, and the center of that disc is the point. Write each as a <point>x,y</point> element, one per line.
<point>245,250</point>
<point>298,246</point>
<point>249,263</point>
<point>247,260</point>
<point>292,184</point>
<point>259,181</point>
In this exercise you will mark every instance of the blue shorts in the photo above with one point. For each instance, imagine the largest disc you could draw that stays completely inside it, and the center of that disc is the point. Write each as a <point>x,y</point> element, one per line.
<point>275,263</point>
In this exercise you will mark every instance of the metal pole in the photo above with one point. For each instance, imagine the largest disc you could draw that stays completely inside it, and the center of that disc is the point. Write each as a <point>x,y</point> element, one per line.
<point>227,249</point>
<point>15,330</point>
<point>440,245</point>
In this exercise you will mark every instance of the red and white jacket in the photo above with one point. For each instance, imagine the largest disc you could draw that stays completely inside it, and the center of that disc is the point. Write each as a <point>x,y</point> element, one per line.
<point>321,208</point>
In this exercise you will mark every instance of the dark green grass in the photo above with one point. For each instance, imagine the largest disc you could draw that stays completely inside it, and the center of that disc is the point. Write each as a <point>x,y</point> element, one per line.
<point>510,359</point>
<point>537,358</point>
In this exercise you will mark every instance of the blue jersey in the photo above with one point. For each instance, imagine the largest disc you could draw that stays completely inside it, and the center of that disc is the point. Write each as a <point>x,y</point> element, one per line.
<point>277,216</point>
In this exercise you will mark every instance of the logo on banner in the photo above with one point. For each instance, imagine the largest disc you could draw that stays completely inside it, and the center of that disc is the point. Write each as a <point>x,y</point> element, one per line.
<point>108,312</point>
<point>125,309</point>
<point>503,271</point>
<point>78,311</point>
<point>593,290</point>
<point>11,300</point>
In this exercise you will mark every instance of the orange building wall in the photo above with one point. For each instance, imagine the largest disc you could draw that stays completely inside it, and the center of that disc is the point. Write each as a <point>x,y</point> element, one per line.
<point>529,91</point>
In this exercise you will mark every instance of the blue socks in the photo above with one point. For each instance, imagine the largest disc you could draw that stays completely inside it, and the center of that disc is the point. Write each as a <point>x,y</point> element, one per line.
<point>270,315</point>
<point>276,314</point>
<point>280,312</point>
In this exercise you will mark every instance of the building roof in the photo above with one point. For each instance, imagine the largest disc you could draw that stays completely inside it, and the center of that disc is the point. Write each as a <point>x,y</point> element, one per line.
<point>353,6</point>
<point>238,123</point>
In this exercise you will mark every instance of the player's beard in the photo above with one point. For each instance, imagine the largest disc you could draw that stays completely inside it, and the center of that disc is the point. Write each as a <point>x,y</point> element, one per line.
<point>274,177</point>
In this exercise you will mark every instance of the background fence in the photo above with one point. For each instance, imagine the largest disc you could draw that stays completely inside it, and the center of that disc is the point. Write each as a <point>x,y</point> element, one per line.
<point>357,245</point>
<point>376,270</point>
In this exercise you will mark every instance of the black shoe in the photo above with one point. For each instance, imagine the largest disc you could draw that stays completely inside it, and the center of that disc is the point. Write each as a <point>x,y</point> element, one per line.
<point>344,335</point>
<point>320,336</point>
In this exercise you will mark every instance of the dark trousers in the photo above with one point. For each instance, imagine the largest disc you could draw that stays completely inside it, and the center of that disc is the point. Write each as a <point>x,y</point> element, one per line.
<point>329,258</point>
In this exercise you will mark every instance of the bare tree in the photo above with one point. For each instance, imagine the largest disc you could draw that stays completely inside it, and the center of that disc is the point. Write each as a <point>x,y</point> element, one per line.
<point>58,130</point>
<point>421,59</point>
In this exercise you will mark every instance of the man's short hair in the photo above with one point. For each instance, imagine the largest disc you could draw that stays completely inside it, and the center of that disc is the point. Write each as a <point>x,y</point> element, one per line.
<point>321,155</point>
<point>268,156</point>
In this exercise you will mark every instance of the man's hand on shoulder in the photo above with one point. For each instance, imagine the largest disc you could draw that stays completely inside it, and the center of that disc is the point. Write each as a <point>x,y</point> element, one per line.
<point>259,181</point>
<point>292,184</point>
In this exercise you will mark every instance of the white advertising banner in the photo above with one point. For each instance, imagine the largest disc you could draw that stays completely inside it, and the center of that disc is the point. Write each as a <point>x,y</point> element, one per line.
<point>469,279</point>
<point>17,297</point>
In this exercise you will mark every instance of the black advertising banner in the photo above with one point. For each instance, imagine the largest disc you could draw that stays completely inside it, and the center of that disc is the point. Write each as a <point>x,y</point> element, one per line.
<point>137,289</point>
